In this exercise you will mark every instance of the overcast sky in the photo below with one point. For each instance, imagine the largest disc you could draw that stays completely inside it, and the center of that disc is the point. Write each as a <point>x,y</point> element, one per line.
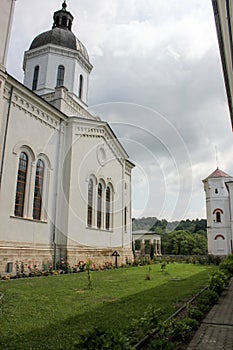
<point>157,79</point>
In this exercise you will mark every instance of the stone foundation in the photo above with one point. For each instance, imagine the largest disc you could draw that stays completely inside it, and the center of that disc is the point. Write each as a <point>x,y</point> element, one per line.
<point>41,255</point>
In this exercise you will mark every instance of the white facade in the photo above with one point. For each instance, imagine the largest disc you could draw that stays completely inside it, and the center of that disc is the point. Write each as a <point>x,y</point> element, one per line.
<point>219,196</point>
<point>49,158</point>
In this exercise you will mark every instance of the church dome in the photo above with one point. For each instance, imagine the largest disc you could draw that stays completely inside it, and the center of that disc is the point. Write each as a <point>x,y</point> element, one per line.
<point>60,34</point>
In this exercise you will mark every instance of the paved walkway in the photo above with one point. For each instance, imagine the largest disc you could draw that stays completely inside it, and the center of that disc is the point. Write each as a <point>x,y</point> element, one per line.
<point>216,330</point>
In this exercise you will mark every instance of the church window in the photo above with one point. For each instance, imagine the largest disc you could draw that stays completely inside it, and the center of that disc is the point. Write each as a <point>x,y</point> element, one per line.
<point>80,92</point>
<point>99,206</point>
<point>35,78</point>
<point>90,203</point>
<point>21,184</point>
<point>125,218</point>
<point>60,75</point>
<point>216,190</point>
<point>39,180</point>
<point>218,216</point>
<point>108,208</point>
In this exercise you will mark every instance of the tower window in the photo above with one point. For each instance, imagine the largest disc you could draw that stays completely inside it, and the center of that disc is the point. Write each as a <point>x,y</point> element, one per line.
<point>39,180</point>
<point>21,184</point>
<point>80,92</point>
<point>35,78</point>
<point>60,75</point>
<point>216,190</point>
<point>64,21</point>
<point>218,216</point>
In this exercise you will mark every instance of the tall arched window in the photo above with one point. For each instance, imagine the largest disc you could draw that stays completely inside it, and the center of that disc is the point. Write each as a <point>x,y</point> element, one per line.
<point>80,91</point>
<point>108,208</point>
<point>90,203</point>
<point>21,184</point>
<point>99,205</point>
<point>60,75</point>
<point>39,180</point>
<point>125,218</point>
<point>64,21</point>
<point>35,78</point>
<point>218,216</point>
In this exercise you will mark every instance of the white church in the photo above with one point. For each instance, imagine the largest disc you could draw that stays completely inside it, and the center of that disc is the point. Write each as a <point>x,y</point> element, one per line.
<point>65,179</point>
<point>218,188</point>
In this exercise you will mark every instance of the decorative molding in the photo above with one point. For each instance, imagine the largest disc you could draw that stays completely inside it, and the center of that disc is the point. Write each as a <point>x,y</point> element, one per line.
<point>31,109</point>
<point>62,51</point>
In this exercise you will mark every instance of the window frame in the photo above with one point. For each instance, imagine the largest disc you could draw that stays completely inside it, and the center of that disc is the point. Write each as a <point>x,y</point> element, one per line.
<point>38,190</point>
<point>23,182</point>
<point>35,77</point>
<point>60,75</point>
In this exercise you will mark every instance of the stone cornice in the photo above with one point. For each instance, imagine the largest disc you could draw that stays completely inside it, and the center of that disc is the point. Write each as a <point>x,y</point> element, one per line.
<point>33,106</point>
<point>50,48</point>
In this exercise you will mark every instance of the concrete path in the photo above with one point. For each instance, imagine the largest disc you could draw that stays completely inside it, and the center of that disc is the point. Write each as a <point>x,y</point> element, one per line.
<point>216,330</point>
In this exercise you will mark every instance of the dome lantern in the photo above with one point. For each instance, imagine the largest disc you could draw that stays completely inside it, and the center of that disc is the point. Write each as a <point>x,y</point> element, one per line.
<point>62,18</point>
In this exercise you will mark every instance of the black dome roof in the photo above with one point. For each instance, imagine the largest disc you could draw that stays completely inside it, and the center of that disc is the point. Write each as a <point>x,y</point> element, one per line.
<point>60,34</point>
<point>61,37</point>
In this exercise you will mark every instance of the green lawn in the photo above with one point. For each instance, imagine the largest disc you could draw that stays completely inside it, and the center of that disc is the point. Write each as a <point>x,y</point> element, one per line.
<point>50,312</point>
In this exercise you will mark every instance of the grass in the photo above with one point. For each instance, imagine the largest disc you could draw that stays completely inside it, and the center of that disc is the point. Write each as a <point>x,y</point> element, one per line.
<point>51,312</point>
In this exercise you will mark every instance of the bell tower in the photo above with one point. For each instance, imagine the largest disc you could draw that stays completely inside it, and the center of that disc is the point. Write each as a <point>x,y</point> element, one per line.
<point>218,210</point>
<point>57,60</point>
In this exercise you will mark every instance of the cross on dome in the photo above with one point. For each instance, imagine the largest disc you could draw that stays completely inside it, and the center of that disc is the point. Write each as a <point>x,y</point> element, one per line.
<point>64,5</point>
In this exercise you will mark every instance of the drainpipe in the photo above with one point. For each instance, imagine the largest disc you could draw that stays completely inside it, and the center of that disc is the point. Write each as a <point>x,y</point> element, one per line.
<point>5,136</point>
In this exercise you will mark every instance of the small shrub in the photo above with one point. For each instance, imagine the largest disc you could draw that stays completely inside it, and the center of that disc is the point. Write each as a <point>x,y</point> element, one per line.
<point>218,281</point>
<point>149,320</point>
<point>101,339</point>
<point>227,266</point>
<point>210,297</point>
<point>161,344</point>
<point>180,331</point>
<point>195,313</point>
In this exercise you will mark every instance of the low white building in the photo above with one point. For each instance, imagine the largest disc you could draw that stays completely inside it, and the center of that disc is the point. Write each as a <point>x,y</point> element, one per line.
<point>143,240</point>
<point>219,205</point>
<point>65,180</point>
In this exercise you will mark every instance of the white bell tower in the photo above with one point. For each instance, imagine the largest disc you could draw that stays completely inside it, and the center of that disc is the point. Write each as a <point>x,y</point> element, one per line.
<point>219,232</point>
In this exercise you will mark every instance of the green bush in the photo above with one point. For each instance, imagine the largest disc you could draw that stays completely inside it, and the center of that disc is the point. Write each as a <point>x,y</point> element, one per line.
<point>195,313</point>
<point>161,344</point>
<point>100,339</point>
<point>180,331</point>
<point>149,320</point>
<point>210,297</point>
<point>227,266</point>
<point>218,281</point>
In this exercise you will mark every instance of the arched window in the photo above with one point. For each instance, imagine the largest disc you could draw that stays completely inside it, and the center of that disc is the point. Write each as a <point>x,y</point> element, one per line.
<point>60,75</point>
<point>21,184</point>
<point>90,203</point>
<point>108,208</point>
<point>39,180</point>
<point>64,21</point>
<point>35,78</point>
<point>125,218</point>
<point>99,205</point>
<point>218,216</point>
<point>80,91</point>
